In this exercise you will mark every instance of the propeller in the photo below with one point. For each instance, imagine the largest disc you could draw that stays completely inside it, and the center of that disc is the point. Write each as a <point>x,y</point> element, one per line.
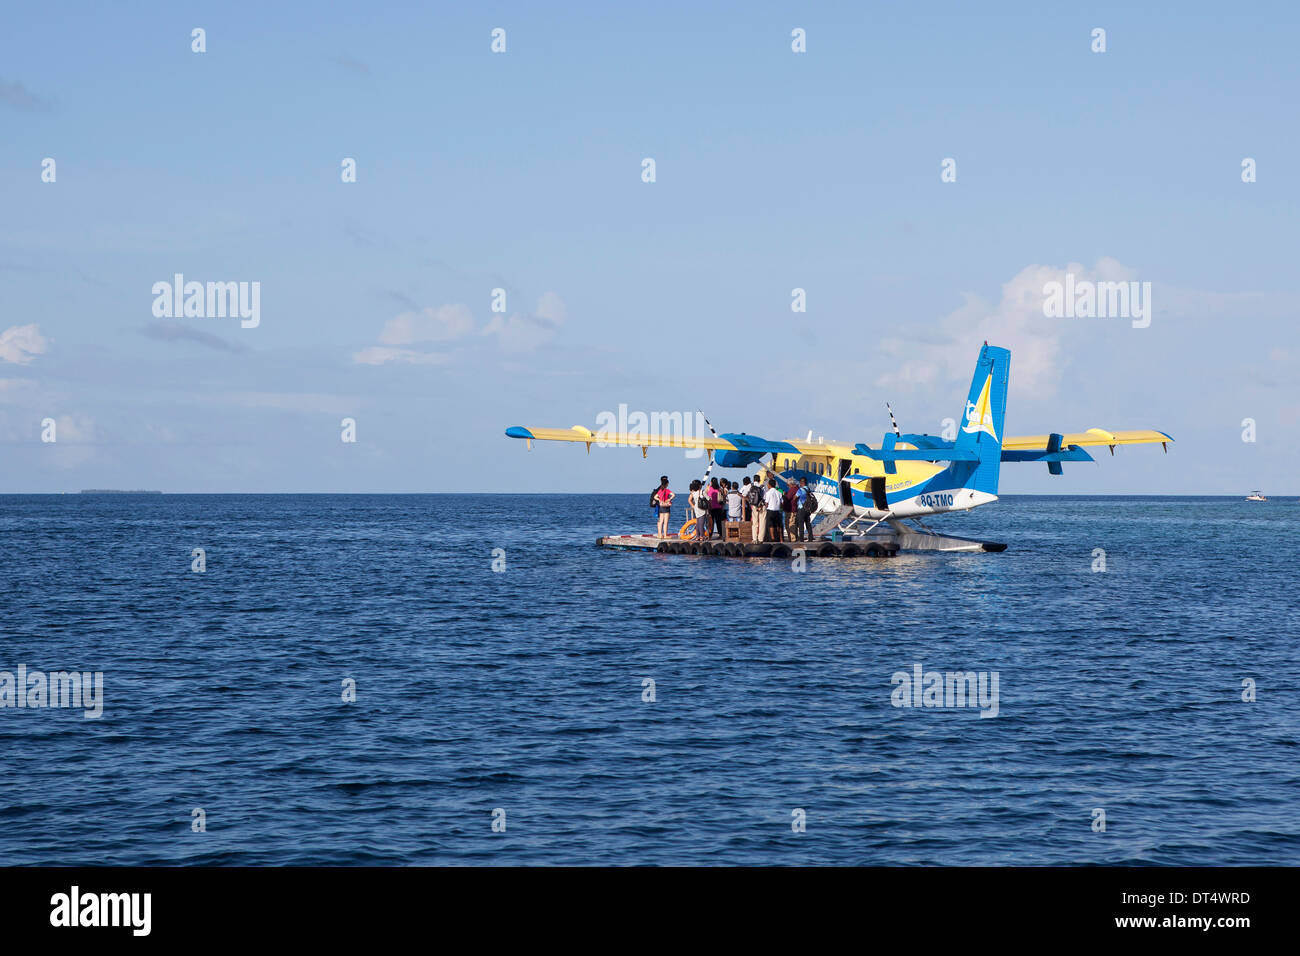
<point>892,421</point>
<point>708,471</point>
<point>891,440</point>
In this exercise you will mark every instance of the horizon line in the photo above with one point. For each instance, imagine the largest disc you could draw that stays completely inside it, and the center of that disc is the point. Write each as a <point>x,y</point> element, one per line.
<point>517,494</point>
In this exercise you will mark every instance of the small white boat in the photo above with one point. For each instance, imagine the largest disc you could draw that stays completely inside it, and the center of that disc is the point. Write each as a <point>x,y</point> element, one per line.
<point>1256,496</point>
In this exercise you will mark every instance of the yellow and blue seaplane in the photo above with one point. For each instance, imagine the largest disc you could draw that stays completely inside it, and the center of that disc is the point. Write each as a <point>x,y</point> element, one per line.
<point>881,493</point>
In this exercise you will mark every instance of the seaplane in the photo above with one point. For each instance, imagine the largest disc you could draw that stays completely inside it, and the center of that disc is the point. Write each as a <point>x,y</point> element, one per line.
<point>882,492</point>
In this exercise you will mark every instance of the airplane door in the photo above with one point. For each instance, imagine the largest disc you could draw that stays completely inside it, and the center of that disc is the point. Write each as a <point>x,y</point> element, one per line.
<point>878,493</point>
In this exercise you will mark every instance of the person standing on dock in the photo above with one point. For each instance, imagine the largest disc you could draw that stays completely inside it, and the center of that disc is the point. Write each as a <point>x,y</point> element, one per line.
<point>803,514</point>
<point>788,506</point>
<point>665,498</point>
<point>757,510</point>
<point>735,505</point>
<point>773,516</point>
<point>700,506</point>
<point>717,509</point>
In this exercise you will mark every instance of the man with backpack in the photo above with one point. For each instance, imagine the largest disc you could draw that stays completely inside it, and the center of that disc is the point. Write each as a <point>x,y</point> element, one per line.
<point>700,508</point>
<point>788,505</point>
<point>757,510</point>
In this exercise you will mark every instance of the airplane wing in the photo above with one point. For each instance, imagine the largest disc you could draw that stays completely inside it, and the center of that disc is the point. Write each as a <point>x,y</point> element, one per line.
<point>1047,449</point>
<point>1093,436</point>
<point>740,450</point>
<point>1054,449</point>
<point>745,448</point>
<point>634,439</point>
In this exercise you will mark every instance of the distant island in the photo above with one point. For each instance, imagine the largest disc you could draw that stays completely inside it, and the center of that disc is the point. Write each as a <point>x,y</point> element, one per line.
<point>117,491</point>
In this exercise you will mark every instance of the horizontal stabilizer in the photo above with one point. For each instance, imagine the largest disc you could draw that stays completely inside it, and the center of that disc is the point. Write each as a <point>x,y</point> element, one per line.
<point>1052,458</point>
<point>926,441</point>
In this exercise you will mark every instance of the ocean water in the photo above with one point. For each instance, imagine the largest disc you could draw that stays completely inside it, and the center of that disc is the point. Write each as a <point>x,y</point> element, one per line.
<point>521,690</point>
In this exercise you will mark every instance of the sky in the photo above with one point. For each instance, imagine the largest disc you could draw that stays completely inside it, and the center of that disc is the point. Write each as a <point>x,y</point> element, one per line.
<point>523,171</point>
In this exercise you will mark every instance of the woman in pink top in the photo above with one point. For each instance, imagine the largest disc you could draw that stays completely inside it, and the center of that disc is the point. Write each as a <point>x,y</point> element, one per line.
<point>665,498</point>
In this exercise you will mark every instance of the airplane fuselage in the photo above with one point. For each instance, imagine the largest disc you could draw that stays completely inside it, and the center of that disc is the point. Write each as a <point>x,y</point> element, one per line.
<point>916,490</point>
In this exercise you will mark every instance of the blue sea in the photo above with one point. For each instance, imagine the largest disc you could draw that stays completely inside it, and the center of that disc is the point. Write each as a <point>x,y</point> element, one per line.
<point>520,695</point>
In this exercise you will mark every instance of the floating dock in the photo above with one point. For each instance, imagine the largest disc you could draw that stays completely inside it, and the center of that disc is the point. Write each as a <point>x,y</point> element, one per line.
<point>820,548</point>
<point>880,543</point>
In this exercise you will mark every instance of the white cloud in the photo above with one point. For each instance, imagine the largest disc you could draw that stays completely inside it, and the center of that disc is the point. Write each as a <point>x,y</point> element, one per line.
<point>443,324</point>
<point>380,355</point>
<point>1016,322</point>
<point>447,324</point>
<point>526,331</point>
<point>76,428</point>
<point>21,343</point>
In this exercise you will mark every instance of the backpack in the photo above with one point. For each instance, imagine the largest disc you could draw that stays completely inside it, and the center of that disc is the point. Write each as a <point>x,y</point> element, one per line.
<point>755,497</point>
<point>811,501</point>
<point>654,498</point>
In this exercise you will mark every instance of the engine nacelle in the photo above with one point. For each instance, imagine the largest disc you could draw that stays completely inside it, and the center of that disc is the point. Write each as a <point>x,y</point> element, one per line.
<point>736,459</point>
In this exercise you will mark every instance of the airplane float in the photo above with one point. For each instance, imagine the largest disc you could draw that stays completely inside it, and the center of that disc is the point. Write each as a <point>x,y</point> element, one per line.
<point>868,492</point>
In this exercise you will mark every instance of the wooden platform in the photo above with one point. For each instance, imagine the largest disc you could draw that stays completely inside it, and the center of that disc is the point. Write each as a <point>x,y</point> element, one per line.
<point>747,549</point>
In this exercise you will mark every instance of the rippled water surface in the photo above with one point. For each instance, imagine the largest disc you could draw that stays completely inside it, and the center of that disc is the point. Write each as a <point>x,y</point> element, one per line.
<point>522,690</point>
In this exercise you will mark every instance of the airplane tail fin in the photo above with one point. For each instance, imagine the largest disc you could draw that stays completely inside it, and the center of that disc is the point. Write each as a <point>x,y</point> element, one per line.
<point>980,428</point>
